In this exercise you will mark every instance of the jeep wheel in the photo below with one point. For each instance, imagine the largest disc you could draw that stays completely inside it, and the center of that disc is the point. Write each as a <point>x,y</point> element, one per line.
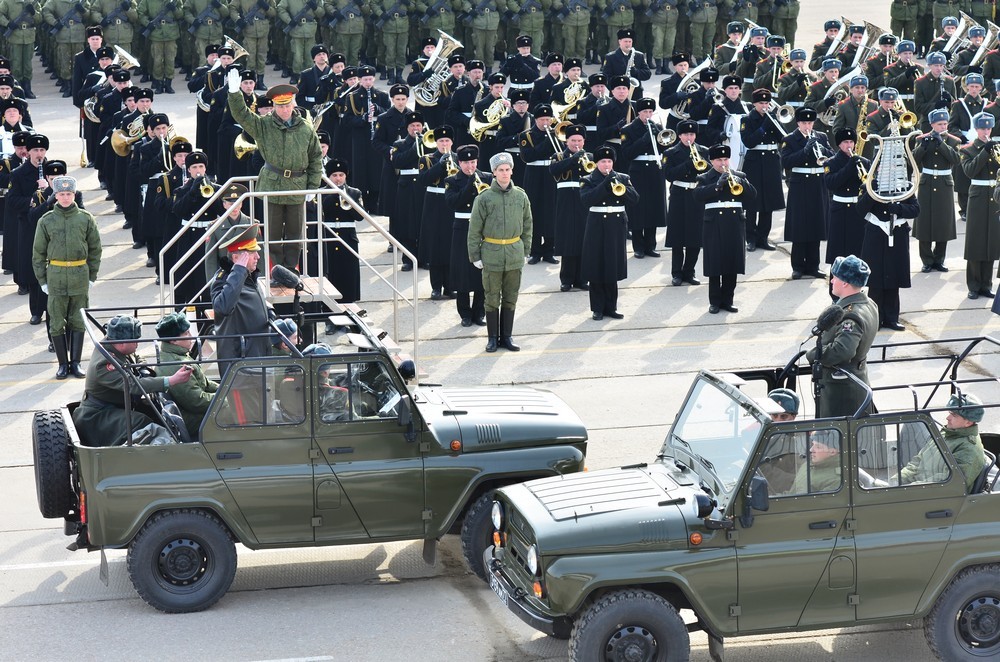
<point>477,533</point>
<point>965,621</point>
<point>630,626</point>
<point>182,561</point>
<point>51,448</point>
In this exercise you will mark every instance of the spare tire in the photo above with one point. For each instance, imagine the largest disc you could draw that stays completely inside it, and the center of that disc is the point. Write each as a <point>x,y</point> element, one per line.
<point>51,446</point>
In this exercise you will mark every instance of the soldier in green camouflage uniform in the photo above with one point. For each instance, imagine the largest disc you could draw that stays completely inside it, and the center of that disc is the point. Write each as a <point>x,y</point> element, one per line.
<point>702,14</point>
<point>118,19</point>
<point>162,38</point>
<point>785,19</point>
<point>618,15</point>
<point>21,42</point>
<point>349,29</point>
<point>485,19</point>
<point>765,13</point>
<point>663,16</point>
<point>66,256</point>
<point>65,18</point>
<point>253,21</point>
<point>529,19</point>
<point>300,18</point>
<point>392,23</point>
<point>903,15</point>
<point>194,396</point>
<point>205,17</point>
<point>573,22</point>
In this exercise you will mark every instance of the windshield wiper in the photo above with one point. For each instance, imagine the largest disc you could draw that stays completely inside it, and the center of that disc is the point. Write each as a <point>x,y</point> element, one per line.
<point>695,455</point>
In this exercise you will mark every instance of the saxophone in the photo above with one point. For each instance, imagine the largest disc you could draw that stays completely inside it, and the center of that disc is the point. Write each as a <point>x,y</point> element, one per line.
<point>633,83</point>
<point>859,144</point>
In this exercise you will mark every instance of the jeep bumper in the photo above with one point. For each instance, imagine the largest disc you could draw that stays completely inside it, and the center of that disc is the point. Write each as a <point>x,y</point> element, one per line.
<point>514,598</point>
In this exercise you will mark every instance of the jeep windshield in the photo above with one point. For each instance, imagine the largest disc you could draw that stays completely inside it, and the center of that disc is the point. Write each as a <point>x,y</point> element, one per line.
<point>715,433</point>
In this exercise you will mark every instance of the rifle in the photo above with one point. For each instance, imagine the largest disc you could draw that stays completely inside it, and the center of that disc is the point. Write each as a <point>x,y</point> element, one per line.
<point>655,6</point>
<point>118,13</point>
<point>525,9</point>
<point>385,15</point>
<point>613,7</point>
<point>299,16</point>
<point>23,16</point>
<point>207,12</point>
<point>250,15</point>
<point>167,7</point>
<point>75,11</point>
<point>469,17</point>
<point>351,8</point>
<point>432,11</point>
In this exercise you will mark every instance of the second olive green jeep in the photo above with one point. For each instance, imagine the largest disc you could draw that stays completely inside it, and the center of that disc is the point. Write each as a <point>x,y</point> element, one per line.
<point>756,526</point>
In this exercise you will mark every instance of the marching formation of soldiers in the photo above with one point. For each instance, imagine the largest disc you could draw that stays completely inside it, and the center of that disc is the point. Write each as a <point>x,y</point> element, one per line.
<point>734,134</point>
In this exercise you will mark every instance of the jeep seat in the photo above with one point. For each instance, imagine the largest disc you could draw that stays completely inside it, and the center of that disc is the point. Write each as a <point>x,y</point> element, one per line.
<point>984,482</point>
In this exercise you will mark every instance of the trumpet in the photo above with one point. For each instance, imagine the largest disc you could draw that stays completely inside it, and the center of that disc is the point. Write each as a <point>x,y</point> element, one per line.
<point>862,173</point>
<point>450,168</point>
<point>479,184</point>
<point>617,188</point>
<point>817,149</point>
<point>585,162</point>
<point>205,188</point>
<point>700,164</point>
<point>344,204</point>
<point>734,184</point>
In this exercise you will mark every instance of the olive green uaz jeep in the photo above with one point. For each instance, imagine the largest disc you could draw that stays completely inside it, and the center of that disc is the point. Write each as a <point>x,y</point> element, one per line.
<point>297,451</point>
<point>758,526</point>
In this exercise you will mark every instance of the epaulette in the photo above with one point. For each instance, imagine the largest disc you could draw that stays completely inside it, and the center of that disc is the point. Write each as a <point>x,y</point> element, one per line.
<point>817,82</point>
<point>220,274</point>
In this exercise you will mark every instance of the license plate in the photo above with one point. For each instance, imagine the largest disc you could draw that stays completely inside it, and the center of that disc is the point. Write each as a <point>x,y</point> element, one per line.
<point>498,589</point>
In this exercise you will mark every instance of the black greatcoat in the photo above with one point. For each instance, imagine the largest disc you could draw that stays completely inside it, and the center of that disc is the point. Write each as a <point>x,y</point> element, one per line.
<point>536,148</point>
<point>459,194</point>
<point>684,216</point>
<point>847,224</point>
<point>936,193</point>
<point>459,112</point>
<point>763,167</point>
<point>806,214</point>
<point>163,206</point>
<point>646,175</point>
<point>586,114</point>
<point>724,251</point>
<point>603,259</point>
<point>10,228</point>
<point>341,267</point>
<point>615,63</point>
<point>509,140</point>
<point>611,117</point>
<point>570,214</point>
<point>436,220</point>
<point>408,196</point>
<point>23,187</point>
<point>309,87</point>
<point>488,145</point>
<point>366,166</point>
<point>887,257</point>
<point>389,129</point>
<point>671,95</point>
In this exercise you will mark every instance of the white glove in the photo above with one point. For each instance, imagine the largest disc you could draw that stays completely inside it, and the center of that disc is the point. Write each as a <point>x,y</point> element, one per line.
<point>478,264</point>
<point>92,283</point>
<point>310,197</point>
<point>45,289</point>
<point>233,80</point>
<point>526,258</point>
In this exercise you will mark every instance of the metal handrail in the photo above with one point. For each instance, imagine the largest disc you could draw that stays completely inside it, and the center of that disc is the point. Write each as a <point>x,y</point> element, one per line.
<point>318,193</point>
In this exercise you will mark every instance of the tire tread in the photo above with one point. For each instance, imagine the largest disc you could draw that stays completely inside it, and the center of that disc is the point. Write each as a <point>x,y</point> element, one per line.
<point>648,602</point>
<point>975,576</point>
<point>476,511</point>
<point>52,453</point>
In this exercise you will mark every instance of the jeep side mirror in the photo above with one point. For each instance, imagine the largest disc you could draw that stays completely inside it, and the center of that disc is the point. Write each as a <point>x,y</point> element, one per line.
<point>756,499</point>
<point>404,418</point>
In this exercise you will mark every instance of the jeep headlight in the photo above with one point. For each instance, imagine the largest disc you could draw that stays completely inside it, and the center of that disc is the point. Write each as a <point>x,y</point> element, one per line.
<point>497,515</point>
<point>531,558</point>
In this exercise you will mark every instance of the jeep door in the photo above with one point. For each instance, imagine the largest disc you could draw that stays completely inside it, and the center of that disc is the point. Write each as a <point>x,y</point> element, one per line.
<point>356,422</point>
<point>902,529</point>
<point>260,438</point>
<point>795,562</point>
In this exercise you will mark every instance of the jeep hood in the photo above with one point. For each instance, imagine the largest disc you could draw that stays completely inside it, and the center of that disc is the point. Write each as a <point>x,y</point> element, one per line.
<point>490,418</point>
<point>626,509</point>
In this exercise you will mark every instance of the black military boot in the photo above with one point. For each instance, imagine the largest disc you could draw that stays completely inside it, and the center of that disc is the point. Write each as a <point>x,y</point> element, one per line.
<point>75,352</point>
<point>156,87</point>
<point>168,85</point>
<point>26,86</point>
<point>492,324</point>
<point>506,328</point>
<point>59,342</point>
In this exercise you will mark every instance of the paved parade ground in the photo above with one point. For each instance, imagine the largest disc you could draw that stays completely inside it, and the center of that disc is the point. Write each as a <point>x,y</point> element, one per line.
<point>380,602</point>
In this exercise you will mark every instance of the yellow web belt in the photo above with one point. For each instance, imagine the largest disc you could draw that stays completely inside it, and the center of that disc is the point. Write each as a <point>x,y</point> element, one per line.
<point>70,263</point>
<point>502,242</point>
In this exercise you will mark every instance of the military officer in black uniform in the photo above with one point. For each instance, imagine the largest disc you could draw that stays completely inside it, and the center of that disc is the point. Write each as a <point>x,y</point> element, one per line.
<point>204,83</point>
<point>603,263</point>
<point>405,157</point>
<point>960,126</point>
<point>459,110</point>
<point>436,219</point>
<point>642,156</point>
<point>512,130</point>
<point>164,194</point>
<point>982,237</point>
<point>719,192</point>
<point>541,91</point>
<point>886,248</point>
<point>589,107</point>
<point>761,136</point>
<point>538,146</point>
<point>803,153</point>
<point>9,163</point>
<point>460,192</point>
<point>568,168</point>
<point>671,94</point>
<point>366,103</point>
<point>27,181</point>
<point>340,265</point>
<point>843,180</point>
<point>627,61</point>
<point>309,80</point>
<point>937,153</point>
<point>616,113</point>
<point>684,215</point>
<point>488,143</point>
<point>522,67</point>
<point>389,129</point>
<point>726,114</point>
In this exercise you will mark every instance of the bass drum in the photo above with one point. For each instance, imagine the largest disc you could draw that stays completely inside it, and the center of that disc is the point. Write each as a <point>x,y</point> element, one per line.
<point>735,142</point>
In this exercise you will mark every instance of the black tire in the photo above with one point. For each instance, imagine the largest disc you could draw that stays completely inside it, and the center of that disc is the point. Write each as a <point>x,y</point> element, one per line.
<point>965,621</point>
<point>477,533</point>
<point>630,624</point>
<point>182,561</point>
<point>53,454</point>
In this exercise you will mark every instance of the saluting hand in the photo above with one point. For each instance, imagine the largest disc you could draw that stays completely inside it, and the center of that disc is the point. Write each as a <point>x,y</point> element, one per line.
<point>233,80</point>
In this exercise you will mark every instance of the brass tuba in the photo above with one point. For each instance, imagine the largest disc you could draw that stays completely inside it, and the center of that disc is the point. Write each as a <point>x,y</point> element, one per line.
<point>427,92</point>
<point>243,145</point>
<point>494,113</point>
<point>90,105</point>
<point>124,59</point>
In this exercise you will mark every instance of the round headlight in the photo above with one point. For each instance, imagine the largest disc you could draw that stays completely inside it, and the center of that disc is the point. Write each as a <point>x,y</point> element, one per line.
<point>532,560</point>
<point>497,515</point>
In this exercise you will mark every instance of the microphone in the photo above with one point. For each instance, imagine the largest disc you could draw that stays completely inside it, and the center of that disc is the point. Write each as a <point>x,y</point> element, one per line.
<point>287,278</point>
<point>829,318</point>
